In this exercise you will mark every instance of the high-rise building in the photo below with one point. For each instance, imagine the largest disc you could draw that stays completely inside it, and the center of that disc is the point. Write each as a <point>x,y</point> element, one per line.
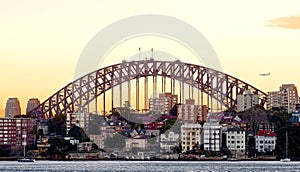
<point>171,98</point>
<point>17,131</point>
<point>190,136</point>
<point>273,99</point>
<point>158,105</point>
<point>246,101</point>
<point>31,104</point>
<point>12,107</point>
<point>286,97</point>
<point>163,103</point>
<point>191,113</point>
<point>289,97</point>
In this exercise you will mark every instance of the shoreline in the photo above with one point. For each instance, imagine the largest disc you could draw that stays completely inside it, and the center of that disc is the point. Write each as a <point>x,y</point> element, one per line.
<point>154,159</point>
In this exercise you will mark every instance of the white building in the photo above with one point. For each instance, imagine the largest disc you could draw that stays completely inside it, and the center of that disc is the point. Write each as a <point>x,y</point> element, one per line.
<point>190,136</point>
<point>159,105</point>
<point>212,136</point>
<point>168,141</point>
<point>80,119</point>
<point>236,140</point>
<point>246,101</point>
<point>265,141</point>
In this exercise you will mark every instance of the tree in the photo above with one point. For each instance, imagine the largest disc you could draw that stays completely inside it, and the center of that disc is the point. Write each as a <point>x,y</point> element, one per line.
<point>58,125</point>
<point>78,134</point>
<point>280,117</point>
<point>171,125</point>
<point>177,149</point>
<point>294,141</point>
<point>59,147</point>
<point>251,146</point>
<point>255,116</point>
<point>4,151</point>
<point>174,109</point>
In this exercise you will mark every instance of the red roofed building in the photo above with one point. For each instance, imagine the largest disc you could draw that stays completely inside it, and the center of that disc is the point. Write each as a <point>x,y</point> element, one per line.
<point>265,141</point>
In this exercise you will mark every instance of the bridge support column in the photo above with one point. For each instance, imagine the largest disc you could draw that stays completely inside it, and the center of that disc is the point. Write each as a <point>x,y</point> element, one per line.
<point>137,91</point>
<point>104,111</point>
<point>154,86</point>
<point>146,94</point>
<point>120,87</point>
<point>129,94</point>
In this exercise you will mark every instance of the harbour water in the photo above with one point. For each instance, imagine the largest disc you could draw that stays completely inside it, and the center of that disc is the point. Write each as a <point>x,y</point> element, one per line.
<point>190,166</point>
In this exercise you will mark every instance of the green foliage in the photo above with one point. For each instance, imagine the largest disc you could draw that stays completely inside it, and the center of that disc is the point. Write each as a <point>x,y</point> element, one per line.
<point>59,147</point>
<point>78,134</point>
<point>294,141</point>
<point>177,149</point>
<point>57,125</point>
<point>171,123</point>
<point>280,117</point>
<point>251,146</point>
<point>174,109</point>
<point>5,151</point>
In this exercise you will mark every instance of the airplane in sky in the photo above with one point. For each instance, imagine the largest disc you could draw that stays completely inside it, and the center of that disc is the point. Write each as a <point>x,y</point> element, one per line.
<point>265,74</point>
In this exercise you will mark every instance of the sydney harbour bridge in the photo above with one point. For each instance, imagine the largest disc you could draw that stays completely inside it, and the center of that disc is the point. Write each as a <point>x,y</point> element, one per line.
<point>137,79</point>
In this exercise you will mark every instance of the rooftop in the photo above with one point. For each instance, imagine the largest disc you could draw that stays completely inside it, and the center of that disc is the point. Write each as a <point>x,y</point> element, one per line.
<point>266,133</point>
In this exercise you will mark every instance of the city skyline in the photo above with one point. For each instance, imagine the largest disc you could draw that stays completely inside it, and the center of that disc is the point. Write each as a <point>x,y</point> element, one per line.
<point>41,42</point>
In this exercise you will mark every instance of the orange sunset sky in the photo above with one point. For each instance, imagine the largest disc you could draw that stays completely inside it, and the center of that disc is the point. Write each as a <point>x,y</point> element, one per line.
<point>41,41</point>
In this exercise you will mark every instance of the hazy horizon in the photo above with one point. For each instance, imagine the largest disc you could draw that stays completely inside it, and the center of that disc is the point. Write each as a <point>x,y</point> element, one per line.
<point>42,41</point>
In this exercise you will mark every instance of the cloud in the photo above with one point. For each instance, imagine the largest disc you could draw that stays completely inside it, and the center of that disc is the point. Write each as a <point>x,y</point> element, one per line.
<point>288,22</point>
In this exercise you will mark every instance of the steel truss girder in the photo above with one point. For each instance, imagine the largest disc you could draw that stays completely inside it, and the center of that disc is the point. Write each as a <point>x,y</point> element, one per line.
<point>79,93</point>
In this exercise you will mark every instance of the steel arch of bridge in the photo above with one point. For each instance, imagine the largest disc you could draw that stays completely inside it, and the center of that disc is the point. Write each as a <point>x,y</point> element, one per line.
<point>79,93</point>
